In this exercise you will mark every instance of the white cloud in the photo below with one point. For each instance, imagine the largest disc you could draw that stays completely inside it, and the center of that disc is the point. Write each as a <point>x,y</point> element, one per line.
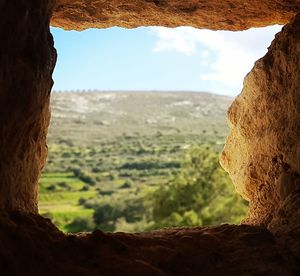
<point>226,56</point>
<point>178,39</point>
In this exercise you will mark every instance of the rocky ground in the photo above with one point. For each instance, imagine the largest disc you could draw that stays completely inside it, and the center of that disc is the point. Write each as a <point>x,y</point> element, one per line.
<point>32,245</point>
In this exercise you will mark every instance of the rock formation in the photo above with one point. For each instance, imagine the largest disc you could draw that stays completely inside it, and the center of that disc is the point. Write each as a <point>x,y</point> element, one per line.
<point>31,245</point>
<point>27,59</point>
<point>262,153</point>
<point>215,14</point>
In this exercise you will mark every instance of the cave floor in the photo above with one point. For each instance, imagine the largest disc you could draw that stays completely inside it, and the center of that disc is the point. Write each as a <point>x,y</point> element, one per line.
<point>32,245</point>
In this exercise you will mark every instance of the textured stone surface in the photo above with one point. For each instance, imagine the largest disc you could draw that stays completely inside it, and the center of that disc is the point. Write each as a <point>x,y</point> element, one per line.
<point>214,14</point>
<point>285,224</point>
<point>27,58</point>
<point>262,152</point>
<point>40,249</point>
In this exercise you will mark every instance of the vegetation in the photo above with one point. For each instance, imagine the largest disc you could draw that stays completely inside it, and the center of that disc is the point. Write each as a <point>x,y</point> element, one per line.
<point>200,194</point>
<point>137,178</point>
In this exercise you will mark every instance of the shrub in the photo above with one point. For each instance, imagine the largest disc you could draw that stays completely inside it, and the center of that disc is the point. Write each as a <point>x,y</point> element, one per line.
<point>81,225</point>
<point>85,188</point>
<point>51,188</point>
<point>83,176</point>
<point>127,184</point>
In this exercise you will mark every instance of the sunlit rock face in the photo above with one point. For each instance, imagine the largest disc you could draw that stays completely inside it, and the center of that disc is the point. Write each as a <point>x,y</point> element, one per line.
<point>27,59</point>
<point>262,152</point>
<point>214,14</point>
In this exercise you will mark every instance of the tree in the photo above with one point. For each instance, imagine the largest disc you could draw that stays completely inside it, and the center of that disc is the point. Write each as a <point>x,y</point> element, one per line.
<point>105,216</point>
<point>200,194</point>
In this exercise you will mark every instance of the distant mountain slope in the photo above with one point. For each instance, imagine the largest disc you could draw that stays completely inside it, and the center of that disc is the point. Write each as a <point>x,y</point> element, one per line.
<point>89,117</point>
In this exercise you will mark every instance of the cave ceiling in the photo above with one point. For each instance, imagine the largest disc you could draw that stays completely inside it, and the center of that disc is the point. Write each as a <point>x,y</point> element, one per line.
<point>230,15</point>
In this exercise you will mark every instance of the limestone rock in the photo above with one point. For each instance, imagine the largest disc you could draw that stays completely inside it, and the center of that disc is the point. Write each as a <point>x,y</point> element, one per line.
<point>262,152</point>
<point>215,14</point>
<point>27,59</point>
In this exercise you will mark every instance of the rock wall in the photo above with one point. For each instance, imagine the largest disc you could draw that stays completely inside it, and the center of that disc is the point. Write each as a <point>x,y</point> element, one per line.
<point>262,152</point>
<point>213,14</point>
<point>27,59</point>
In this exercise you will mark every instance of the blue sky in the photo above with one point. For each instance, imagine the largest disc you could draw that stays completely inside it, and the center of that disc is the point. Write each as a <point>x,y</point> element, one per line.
<point>157,58</point>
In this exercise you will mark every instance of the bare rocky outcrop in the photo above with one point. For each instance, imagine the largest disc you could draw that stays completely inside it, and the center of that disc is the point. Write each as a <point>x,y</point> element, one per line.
<point>27,59</point>
<point>262,152</point>
<point>215,14</point>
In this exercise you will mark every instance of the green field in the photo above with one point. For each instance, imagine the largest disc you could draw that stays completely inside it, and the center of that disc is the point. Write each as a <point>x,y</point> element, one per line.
<point>112,156</point>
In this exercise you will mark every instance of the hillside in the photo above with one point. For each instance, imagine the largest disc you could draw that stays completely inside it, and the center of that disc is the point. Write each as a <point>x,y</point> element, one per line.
<point>109,152</point>
<point>88,118</point>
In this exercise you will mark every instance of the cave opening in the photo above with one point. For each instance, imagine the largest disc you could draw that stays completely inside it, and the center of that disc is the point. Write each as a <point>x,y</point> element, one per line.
<point>261,153</point>
<point>133,142</point>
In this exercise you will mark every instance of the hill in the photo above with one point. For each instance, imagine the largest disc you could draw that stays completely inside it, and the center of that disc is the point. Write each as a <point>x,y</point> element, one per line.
<point>88,118</point>
<point>112,153</point>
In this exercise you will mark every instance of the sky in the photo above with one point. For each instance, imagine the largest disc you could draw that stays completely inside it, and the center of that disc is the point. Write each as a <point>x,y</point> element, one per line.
<point>158,58</point>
